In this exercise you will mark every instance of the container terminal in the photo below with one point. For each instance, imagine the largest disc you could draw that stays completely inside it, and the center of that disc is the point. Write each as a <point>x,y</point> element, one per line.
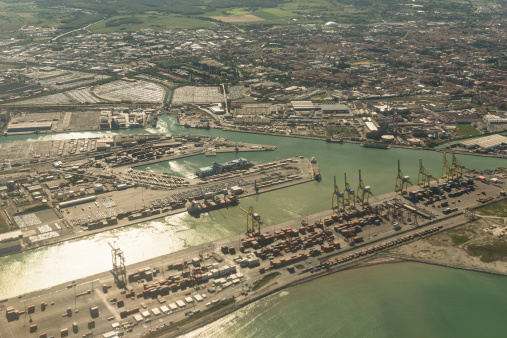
<point>52,201</point>
<point>158,293</point>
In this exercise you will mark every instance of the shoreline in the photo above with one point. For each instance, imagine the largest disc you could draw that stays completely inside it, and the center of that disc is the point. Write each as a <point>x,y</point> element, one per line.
<point>379,259</point>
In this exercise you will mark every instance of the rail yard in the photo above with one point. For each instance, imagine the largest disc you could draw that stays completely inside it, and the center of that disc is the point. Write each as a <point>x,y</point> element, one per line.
<point>158,293</point>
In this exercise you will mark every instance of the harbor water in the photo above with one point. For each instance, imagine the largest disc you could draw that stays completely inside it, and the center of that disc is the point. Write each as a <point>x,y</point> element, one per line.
<point>59,263</point>
<point>392,300</point>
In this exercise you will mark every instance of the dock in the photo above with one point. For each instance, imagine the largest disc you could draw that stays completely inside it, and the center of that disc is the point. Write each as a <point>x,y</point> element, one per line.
<point>315,170</point>
<point>162,291</point>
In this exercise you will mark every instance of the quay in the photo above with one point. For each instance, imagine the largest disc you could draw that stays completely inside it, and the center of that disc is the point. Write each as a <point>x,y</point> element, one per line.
<point>165,290</point>
<point>83,209</point>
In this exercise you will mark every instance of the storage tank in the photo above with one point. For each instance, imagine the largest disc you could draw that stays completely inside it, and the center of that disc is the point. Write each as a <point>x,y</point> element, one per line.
<point>71,193</point>
<point>98,187</point>
<point>387,138</point>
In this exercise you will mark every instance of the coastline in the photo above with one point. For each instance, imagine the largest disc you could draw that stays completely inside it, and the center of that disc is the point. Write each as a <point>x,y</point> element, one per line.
<point>379,259</point>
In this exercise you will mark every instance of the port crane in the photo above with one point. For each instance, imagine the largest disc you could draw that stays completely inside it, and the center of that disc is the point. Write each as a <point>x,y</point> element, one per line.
<point>119,270</point>
<point>253,222</point>
<point>351,194</point>
<point>363,192</point>
<point>338,200</point>
<point>456,167</point>
<point>424,177</point>
<point>402,182</point>
<point>446,170</point>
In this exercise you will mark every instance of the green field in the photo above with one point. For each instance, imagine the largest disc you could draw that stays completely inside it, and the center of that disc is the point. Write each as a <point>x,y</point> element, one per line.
<point>143,21</point>
<point>342,131</point>
<point>466,130</point>
<point>167,14</point>
<point>496,209</point>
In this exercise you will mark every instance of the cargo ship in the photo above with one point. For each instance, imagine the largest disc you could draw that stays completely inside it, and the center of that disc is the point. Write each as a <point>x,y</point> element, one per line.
<point>377,145</point>
<point>154,122</point>
<point>218,168</point>
<point>198,207</point>
<point>334,140</point>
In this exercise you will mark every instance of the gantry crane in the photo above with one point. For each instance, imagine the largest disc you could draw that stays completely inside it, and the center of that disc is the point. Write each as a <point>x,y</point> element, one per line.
<point>363,192</point>
<point>402,182</point>
<point>119,270</point>
<point>424,177</point>
<point>351,194</point>
<point>456,167</point>
<point>338,200</point>
<point>253,222</point>
<point>446,170</point>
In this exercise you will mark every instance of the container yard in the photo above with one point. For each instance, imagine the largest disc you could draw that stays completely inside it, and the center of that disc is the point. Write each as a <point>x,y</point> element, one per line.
<point>94,186</point>
<point>160,292</point>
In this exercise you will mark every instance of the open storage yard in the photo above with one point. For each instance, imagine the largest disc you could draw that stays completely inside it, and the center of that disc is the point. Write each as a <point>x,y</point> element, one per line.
<point>191,94</point>
<point>54,99</point>
<point>83,95</point>
<point>132,91</point>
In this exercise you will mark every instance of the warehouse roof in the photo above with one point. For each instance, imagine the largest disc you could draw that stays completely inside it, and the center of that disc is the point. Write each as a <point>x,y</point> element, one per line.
<point>486,142</point>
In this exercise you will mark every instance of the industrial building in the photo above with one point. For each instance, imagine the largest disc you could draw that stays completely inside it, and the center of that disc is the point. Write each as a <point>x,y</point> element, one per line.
<point>77,201</point>
<point>334,108</point>
<point>29,126</point>
<point>10,242</point>
<point>486,143</point>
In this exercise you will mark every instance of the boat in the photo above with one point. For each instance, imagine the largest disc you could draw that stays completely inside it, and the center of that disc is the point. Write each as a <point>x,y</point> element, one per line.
<point>377,145</point>
<point>334,140</point>
<point>154,122</point>
<point>198,207</point>
<point>315,168</point>
<point>218,168</point>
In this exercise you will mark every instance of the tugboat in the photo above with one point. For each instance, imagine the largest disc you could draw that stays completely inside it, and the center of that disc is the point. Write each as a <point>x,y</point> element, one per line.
<point>154,122</point>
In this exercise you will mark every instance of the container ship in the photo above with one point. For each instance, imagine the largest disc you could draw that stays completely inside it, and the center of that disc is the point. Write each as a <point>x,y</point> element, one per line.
<point>198,207</point>
<point>377,145</point>
<point>218,168</point>
<point>154,122</point>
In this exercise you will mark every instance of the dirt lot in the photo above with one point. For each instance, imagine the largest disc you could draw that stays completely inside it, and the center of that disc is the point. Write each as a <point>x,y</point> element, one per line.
<point>239,18</point>
<point>467,245</point>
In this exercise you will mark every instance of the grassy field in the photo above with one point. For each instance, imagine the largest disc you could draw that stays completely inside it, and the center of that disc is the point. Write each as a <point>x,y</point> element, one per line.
<point>496,209</point>
<point>457,239</point>
<point>489,252</point>
<point>342,131</point>
<point>266,280</point>
<point>154,21</point>
<point>466,130</point>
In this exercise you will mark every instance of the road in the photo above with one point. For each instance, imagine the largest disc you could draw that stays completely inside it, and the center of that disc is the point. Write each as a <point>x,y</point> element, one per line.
<point>76,30</point>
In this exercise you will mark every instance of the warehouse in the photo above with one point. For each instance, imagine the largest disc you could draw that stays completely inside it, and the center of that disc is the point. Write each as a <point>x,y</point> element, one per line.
<point>486,143</point>
<point>76,202</point>
<point>335,108</point>
<point>29,126</point>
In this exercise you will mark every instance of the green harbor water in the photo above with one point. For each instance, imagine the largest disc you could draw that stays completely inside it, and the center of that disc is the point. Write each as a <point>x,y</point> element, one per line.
<point>391,300</point>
